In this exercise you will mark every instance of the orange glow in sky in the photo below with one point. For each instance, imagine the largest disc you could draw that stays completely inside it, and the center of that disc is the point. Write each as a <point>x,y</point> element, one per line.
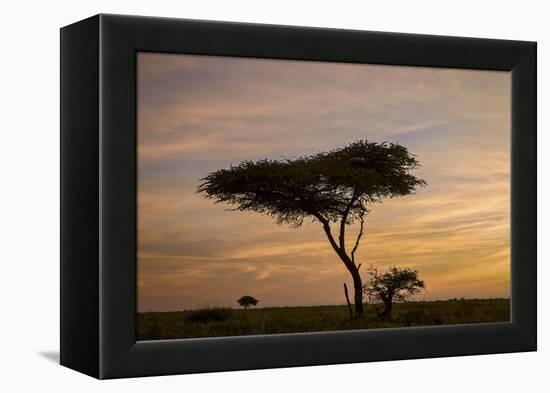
<point>197,114</point>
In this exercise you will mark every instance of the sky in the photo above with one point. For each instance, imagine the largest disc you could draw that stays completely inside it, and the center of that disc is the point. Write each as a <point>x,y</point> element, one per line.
<point>197,114</point>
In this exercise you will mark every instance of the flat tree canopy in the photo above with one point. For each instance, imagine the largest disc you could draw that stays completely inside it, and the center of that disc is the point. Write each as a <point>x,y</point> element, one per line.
<point>324,186</point>
<point>328,187</point>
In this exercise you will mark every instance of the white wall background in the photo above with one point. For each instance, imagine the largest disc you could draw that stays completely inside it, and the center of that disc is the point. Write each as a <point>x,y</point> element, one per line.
<point>29,216</point>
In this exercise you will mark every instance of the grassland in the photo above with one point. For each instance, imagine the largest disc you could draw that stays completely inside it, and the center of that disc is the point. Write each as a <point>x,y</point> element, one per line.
<point>217,322</point>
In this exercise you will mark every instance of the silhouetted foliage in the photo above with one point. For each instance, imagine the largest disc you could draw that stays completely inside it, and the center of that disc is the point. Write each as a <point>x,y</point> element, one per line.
<point>337,186</point>
<point>395,285</point>
<point>210,314</point>
<point>247,301</point>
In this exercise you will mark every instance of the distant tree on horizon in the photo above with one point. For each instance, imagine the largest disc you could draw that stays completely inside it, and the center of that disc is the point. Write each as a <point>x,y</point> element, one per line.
<point>334,187</point>
<point>247,301</point>
<point>394,285</point>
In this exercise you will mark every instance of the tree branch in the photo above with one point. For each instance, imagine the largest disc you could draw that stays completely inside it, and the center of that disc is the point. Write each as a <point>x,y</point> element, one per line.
<point>333,243</point>
<point>328,232</point>
<point>362,219</point>
<point>341,252</point>
<point>318,216</point>
<point>343,223</point>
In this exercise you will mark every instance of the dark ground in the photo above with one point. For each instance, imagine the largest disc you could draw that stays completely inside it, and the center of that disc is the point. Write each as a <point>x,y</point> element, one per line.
<point>216,322</point>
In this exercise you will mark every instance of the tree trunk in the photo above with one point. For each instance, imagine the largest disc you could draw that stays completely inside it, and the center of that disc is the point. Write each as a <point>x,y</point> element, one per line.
<point>350,265</point>
<point>347,300</point>
<point>358,287</point>
<point>387,309</point>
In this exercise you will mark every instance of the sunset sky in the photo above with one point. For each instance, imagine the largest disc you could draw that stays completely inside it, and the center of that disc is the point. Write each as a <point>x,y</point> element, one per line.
<point>197,114</point>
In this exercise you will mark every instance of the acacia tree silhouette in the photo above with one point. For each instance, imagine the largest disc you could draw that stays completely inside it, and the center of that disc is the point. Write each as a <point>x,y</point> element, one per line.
<point>247,301</point>
<point>334,187</point>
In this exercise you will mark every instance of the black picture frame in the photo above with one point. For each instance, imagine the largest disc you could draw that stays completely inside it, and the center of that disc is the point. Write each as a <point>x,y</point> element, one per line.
<point>98,196</point>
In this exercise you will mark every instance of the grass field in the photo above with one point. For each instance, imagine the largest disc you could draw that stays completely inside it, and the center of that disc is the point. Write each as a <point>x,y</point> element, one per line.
<point>217,322</point>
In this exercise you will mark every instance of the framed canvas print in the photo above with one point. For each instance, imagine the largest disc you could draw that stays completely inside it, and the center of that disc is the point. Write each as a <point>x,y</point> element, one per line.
<point>239,196</point>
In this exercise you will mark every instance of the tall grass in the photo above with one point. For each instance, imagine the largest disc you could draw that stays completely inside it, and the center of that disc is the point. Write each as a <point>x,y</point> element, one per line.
<point>216,321</point>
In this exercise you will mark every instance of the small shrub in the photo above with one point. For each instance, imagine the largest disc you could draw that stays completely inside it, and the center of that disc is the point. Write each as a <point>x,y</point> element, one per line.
<point>211,314</point>
<point>395,285</point>
<point>247,301</point>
